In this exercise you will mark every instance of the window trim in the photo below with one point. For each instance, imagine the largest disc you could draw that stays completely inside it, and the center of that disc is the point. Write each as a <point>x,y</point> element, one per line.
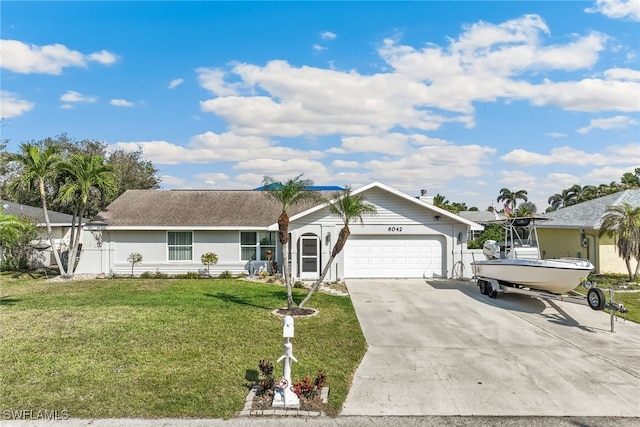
<point>258,245</point>
<point>168,245</point>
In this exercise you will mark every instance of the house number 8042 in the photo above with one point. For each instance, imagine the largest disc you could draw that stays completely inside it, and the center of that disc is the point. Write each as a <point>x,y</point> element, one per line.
<point>395,229</point>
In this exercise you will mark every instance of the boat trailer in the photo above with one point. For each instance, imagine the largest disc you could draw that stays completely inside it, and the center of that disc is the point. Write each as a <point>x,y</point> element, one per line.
<point>595,297</point>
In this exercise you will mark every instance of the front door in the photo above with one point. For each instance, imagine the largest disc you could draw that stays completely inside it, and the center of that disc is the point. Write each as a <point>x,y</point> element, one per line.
<point>309,260</point>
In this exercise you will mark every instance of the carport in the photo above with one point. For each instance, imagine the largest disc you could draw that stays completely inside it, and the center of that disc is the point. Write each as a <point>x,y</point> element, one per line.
<point>439,347</point>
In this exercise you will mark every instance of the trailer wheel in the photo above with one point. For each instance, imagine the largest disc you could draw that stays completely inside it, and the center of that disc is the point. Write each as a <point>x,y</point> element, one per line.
<point>596,299</point>
<point>491,292</point>
<point>483,287</point>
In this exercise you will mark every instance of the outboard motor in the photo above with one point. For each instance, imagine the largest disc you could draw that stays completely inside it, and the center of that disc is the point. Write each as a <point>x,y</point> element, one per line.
<point>491,249</point>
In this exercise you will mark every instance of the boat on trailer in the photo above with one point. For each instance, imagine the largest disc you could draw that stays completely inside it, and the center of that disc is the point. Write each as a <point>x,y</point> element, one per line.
<point>516,266</point>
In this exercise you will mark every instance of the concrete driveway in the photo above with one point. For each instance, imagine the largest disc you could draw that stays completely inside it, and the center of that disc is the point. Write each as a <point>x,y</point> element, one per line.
<point>442,348</point>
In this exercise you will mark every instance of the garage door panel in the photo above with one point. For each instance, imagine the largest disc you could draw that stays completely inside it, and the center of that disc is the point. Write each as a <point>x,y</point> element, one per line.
<point>389,257</point>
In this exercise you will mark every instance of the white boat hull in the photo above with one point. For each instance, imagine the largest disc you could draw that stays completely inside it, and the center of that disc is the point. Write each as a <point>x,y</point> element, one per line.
<point>554,275</point>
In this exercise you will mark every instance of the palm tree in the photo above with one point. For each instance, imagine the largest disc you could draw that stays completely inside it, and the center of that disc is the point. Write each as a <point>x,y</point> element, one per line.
<point>293,192</point>
<point>348,207</point>
<point>623,223</point>
<point>39,166</point>
<point>526,209</point>
<point>85,176</point>
<point>440,201</point>
<point>510,198</point>
<point>567,197</point>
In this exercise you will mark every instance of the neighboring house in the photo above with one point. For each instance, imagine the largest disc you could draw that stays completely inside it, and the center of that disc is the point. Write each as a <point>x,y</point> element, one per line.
<point>171,229</point>
<point>481,217</point>
<point>573,232</point>
<point>60,227</point>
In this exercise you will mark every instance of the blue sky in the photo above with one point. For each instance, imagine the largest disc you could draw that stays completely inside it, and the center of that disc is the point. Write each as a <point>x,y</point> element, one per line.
<point>458,98</point>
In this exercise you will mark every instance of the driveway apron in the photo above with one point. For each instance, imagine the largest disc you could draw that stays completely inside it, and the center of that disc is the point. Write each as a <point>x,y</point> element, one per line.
<point>439,347</point>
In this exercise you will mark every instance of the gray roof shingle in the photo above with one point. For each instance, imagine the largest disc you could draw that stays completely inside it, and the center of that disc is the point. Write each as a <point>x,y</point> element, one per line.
<point>194,208</point>
<point>37,214</point>
<point>589,214</point>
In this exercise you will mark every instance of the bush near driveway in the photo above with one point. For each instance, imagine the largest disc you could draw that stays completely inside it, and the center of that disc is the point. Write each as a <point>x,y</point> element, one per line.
<point>152,348</point>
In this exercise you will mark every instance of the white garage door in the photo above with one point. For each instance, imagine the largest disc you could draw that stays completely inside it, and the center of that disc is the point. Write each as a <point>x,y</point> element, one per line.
<point>392,257</point>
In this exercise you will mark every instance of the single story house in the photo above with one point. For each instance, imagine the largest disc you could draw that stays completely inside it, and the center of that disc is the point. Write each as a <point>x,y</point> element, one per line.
<point>60,228</point>
<point>171,229</point>
<point>574,232</point>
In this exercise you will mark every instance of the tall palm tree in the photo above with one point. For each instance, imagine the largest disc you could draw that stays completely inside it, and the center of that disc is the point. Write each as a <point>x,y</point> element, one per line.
<point>294,191</point>
<point>510,198</point>
<point>623,223</point>
<point>348,207</point>
<point>568,197</point>
<point>38,167</point>
<point>84,176</point>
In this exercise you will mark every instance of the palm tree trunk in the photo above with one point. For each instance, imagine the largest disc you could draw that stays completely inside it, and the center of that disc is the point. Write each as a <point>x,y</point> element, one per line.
<point>287,275</point>
<point>52,242</point>
<point>342,240</point>
<point>76,224</point>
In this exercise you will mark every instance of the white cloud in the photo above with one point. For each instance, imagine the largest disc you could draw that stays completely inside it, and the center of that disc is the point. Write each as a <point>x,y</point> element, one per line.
<point>607,174</point>
<point>436,165</point>
<point>622,74</point>
<point>121,103</point>
<point>66,107</point>
<point>345,164</point>
<point>573,156</point>
<point>556,134</point>
<point>212,179</point>
<point>12,106</point>
<point>209,147</point>
<point>319,48</point>
<point>617,9</point>
<point>617,122</point>
<point>25,58</point>
<point>175,83</point>
<point>73,96</point>
<point>327,35</point>
<point>426,88</point>
<point>104,57</point>
<point>212,79</point>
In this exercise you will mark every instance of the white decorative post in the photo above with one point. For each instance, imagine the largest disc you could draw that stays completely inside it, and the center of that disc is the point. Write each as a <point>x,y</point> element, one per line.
<point>284,396</point>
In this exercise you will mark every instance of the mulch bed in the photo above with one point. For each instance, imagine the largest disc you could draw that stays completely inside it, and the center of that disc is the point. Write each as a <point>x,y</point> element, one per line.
<point>314,404</point>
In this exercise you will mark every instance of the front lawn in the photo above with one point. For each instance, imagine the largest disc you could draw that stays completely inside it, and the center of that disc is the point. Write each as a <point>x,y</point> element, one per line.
<point>149,348</point>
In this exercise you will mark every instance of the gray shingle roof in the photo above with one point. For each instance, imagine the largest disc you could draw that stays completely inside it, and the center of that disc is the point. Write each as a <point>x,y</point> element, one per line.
<point>480,217</point>
<point>589,214</point>
<point>37,214</point>
<point>193,208</point>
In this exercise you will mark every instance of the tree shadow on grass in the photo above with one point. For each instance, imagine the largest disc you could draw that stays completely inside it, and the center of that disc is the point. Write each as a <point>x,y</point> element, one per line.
<point>5,301</point>
<point>235,300</point>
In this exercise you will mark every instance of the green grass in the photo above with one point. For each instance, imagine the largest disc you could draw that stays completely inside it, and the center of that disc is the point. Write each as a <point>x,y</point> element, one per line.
<point>626,295</point>
<point>160,348</point>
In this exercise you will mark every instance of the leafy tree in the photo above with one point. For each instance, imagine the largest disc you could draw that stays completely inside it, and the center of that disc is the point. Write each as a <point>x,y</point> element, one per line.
<point>209,259</point>
<point>631,180</point>
<point>130,169</point>
<point>290,193</point>
<point>134,258</point>
<point>348,207</point>
<point>38,167</point>
<point>623,223</point>
<point>510,198</point>
<point>526,209</point>
<point>492,231</point>
<point>16,235</point>
<point>85,176</point>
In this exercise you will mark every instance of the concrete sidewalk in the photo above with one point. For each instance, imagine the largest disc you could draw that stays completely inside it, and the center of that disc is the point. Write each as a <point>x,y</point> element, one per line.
<point>343,421</point>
